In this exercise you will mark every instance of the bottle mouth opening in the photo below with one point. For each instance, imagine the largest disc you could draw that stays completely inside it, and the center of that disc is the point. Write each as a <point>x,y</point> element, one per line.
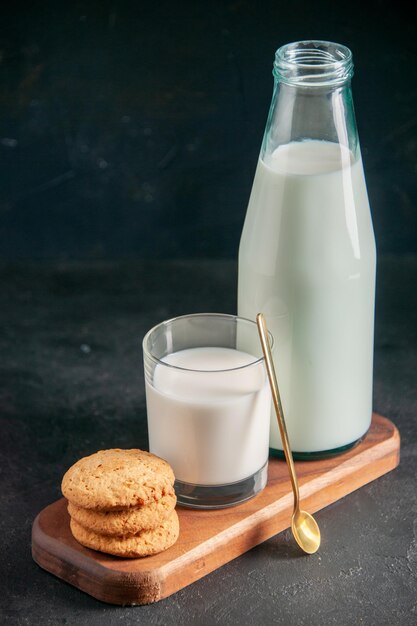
<point>313,63</point>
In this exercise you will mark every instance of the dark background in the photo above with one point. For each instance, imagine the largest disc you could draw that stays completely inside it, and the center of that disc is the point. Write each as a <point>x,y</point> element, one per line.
<point>131,130</point>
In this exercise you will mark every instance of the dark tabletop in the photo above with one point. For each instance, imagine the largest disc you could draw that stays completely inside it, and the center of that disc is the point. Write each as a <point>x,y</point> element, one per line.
<point>72,382</point>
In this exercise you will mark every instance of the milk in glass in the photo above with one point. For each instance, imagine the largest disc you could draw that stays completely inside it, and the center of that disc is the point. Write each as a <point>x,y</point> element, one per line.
<point>208,414</point>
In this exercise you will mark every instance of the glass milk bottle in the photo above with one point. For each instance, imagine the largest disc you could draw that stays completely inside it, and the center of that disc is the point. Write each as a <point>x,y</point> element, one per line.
<point>307,252</point>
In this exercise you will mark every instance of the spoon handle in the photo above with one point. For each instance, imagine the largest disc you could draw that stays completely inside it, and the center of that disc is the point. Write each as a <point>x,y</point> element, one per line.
<point>266,348</point>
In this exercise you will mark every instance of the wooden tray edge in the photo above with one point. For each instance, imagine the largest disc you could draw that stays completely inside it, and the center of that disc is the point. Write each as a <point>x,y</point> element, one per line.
<point>82,572</point>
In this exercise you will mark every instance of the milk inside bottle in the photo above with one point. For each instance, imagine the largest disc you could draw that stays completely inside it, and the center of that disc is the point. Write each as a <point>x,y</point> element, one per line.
<point>307,252</point>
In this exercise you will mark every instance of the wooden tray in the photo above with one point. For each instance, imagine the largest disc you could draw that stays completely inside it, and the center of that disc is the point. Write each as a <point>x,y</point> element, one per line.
<point>208,539</point>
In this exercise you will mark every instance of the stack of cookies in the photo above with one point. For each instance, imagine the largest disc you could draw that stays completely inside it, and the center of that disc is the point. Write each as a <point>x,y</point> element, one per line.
<point>122,502</point>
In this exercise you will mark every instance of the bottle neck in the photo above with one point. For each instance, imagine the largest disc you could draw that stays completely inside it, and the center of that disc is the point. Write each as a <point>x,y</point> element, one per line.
<point>312,97</point>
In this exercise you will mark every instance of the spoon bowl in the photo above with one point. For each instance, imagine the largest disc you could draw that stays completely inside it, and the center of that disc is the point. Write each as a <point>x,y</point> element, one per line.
<point>306,531</point>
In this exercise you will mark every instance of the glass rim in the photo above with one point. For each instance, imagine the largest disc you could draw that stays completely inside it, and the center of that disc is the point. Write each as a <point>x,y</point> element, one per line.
<point>227,316</point>
<point>313,62</point>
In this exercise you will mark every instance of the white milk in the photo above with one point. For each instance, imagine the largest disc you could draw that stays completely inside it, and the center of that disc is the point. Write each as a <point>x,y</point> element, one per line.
<point>307,260</point>
<point>211,425</point>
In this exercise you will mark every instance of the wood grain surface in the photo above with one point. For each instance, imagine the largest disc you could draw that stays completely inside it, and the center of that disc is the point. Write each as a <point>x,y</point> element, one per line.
<point>209,539</point>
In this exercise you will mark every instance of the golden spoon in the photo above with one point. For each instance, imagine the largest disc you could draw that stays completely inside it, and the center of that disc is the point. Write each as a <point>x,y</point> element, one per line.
<point>303,525</point>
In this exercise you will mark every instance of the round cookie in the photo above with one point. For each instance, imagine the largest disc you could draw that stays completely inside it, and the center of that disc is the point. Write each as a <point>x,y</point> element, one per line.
<point>145,543</point>
<point>117,479</point>
<point>127,522</point>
